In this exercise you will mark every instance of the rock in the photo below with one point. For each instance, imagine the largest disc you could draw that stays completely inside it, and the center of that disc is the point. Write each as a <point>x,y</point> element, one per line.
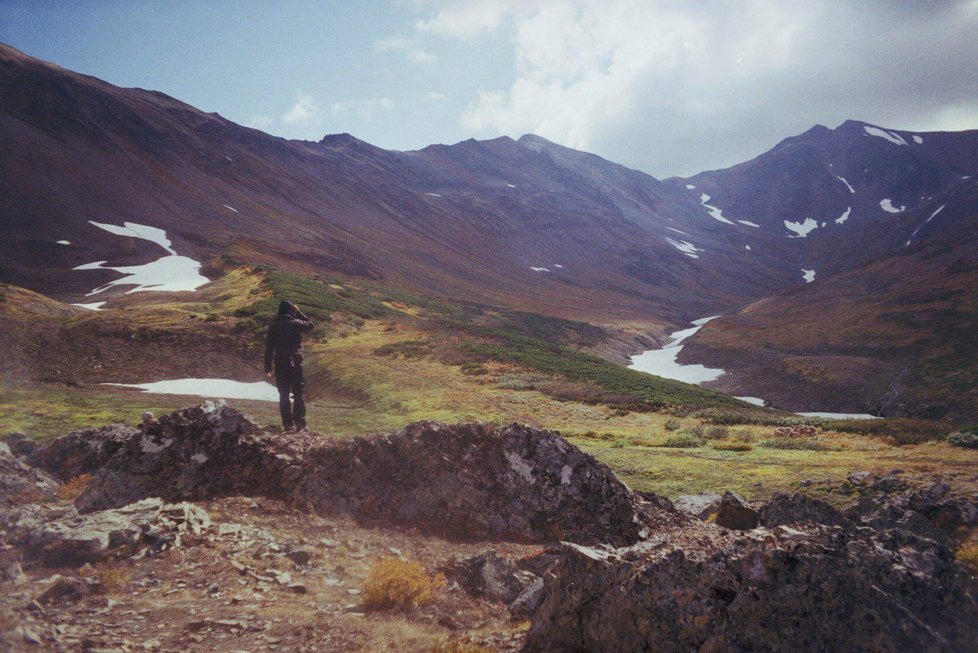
<point>890,483</point>
<point>19,444</point>
<point>799,508</point>
<point>528,600</point>
<point>20,483</point>
<point>736,513</point>
<point>464,481</point>
<point>85,538</point>
<point>861,478</point>
<point>68,590</point>
<point>300,557</point>
<point>489,575</point>
<point>840,588</point>
<point>699,505</point>
<point>14,574</point>
<point>80,452</point>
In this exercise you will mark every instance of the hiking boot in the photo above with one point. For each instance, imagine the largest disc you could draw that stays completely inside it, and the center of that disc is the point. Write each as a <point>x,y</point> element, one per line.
<point>300,425</point>
<point>288,428</point>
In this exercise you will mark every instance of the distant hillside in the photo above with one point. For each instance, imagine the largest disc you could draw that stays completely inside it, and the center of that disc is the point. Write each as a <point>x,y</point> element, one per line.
<point>524,225</point>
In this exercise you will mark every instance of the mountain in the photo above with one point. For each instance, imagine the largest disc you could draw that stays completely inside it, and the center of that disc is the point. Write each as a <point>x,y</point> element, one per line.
<point>864,213</point>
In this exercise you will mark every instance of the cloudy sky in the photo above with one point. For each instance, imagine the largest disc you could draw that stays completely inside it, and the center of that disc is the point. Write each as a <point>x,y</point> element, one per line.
<point>668,87</point>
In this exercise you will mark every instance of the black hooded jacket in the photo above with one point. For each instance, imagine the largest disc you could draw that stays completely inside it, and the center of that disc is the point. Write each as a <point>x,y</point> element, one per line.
<point>285,335</point>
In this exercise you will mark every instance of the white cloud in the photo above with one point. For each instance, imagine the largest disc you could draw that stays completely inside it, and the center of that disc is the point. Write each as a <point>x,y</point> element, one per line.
<point>302,112</point>
<point>364,109</point>
<point>674,89</point>
<point>408,47</point>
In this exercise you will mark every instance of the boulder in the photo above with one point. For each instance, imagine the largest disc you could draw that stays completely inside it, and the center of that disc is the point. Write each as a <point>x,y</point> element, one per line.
<point>80,452</point>
<point>786,509</point>
<point>701,506</point>
<point>736,513</point>
<point>463,481</point>
<point>20,483</point>
<point>490,575</point>
<point>19,443</point>
<point>149,524</point>
<point>813,588</point>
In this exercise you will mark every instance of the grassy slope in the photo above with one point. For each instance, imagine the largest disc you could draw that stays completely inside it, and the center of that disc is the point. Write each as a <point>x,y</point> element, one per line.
<point>380,361</point>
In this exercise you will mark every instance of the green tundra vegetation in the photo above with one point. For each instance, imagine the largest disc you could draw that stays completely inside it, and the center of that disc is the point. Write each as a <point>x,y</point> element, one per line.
<point>380,359</point>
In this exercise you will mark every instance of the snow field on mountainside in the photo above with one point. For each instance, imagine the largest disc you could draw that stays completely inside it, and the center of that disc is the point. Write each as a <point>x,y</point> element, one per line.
<point>686,247</point>
<point>893,137</point>
<point>845,216</point>
<point>801,229</point>
<point>887,206</point>
<point>808,275</point>
<point>848,185</point>
<point>941,208</point>
<point>170,273</point>
<point>714,212</point>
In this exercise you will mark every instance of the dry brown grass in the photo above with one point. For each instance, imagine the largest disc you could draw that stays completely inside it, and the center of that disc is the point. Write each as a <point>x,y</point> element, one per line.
<point>114,578</point>
<point>968,555</point>
<point>73,488</point>
<point>457,646</point>
<point>398,583</point>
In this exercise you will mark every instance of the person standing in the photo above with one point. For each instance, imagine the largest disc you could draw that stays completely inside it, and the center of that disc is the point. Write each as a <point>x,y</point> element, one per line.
<point>283,344</point>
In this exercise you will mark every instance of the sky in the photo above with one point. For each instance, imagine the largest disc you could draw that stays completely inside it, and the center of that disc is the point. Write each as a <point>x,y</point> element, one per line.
<point>669,87</point>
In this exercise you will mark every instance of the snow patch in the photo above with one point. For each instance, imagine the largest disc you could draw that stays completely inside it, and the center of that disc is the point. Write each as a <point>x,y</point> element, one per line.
<point>808,275</point>
<point>662,362</point>
<point>539,269</point>
<point>171,273</point>
<point>747,247</point>
<point>848,185</point>
<point>687,248</point>
<point>690,187</point>
<point>510,186</point>
<point>757,401</point>
<point>839,415</point>
<point>94,306</point>
<point>678,231</point>
<point>917,139</point>
<point>230,208</point>
<point>749,223</point>
<point>887,206</point>
<point>433,194</point>
<point>714,212</point>
<point>845,216</point>
<point>893,137</point>
<point>213,388</point>
<point>941,208</point>
<point>558,266</point>
<point>63,242</point>
<point>802,229</point>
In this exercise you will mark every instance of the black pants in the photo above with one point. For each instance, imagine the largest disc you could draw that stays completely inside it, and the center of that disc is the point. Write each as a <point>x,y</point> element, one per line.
<point>289,380</point>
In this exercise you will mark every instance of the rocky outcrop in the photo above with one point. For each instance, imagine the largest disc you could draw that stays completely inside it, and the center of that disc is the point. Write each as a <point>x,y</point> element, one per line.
<point>784,509</point>
<point>467,480</point>
<point>80,452</point>
<point>736,513</point>
<point>145,526</point>
<point>817,588</point>
<point>21,483</point>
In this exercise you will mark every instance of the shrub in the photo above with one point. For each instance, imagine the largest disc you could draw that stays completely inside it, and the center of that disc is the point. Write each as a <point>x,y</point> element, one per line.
<point>803,444</point>
<point>474,369</point>
<point>456,646</point>
<point>73,488</point>
<point>618,444</point>
<point>796,431</point>
<point>716,433</point>
<point>113,578</point>
<point>732,446</point>
<point>968,555</point>
<point>397,583</point>
<point>967,438</point>
<point>673,424</point>
<point>683,441</point>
